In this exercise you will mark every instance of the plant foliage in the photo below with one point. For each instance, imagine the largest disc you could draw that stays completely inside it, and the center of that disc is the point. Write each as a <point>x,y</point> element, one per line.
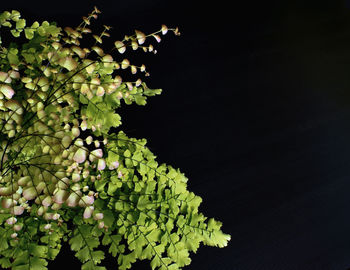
<point>65,176</point>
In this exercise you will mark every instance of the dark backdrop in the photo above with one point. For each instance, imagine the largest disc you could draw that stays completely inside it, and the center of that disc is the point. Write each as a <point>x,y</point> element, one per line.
<point>255,111</point>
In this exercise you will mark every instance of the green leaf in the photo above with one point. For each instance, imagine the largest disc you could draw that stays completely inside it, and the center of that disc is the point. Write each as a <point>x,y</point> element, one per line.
<point>180,221</point>
<point>52,30</point>
<point>115,248</point>
<point>98,256</point>
<point>29,33</point>
<point>5,262</point>
<point>119,206</point>
<point>111,120</point>
<point>173,266</point>
<point>91,266</point>
<point>15,15</point>
<point>76,242</point>
<point>29,57</point>
<point>4,16</point>
<point>140,100</point>
<point>20,24</point>
<point>12,56</point>
<point>182,255</point>
<point>112,188</point>
<point>192,241</point>
<point>26,262</point>
<point>125,261</point>
<point>156,262</point>
<point>143,169</point>
<point>21,259</point>
<point>83,99</point>
<point>84,242</point>
<point>38,264</point>
<point>138,157</point>
<point>3,243</point>
<point>112,100</point>
<point>52,253</point>
<point>99,185</point>
<point>37,250</point>
<point>127,153</point>
<point>147,252</point>
<point>6,23</point>
<point>83,254</point>
<point>154,235</point>
<point>142,202</point>
<point>152,92</point>
<point>217,238</point>
<point>35,25</point>
<point>15,33</point>
<point>21,267</point>
<point>68,62</point>
<point>41,31</point>
<point>108,217</point>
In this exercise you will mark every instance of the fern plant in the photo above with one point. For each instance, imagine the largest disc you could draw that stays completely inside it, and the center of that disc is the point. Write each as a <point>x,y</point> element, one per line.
<point>66,175</point>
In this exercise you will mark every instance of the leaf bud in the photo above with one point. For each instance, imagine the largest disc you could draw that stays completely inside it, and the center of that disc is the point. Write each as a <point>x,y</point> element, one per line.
<point>86,173</point>
<point>6,203</point>
<point>98,153</point>
<point>56,216</point>
<point>24,180</point>
<point>60,196</point>
<point>101,224</point>
<point>134,45</point>
<point>88,212</point>
<point>157,37</point>
<point>176,32</point>
<point>29,193</point>
<point>63,183</point>
<point>75,131</point>
<point>47,201</point>
<point>83,125</point>
<point>73,199</point>
<point>100,91</point>
<point>79,142</point>
<point>80,156</point>
<point>101,164</point>
<point>97,143</point>
<point>138,82</point>
<point>75,177</point>
<point>11,220</point>
<point>88,140</point>
<point>98,216</point>
<point>86,200</point>
<point>17,210</point>
<point>17,227</point>
<point>41,210</point>
<point>56,206</point>
<point>164,29</point>
<point>66,141</point>
<point>125,63</point>
<point>120,46</point>
<point>141,37</point>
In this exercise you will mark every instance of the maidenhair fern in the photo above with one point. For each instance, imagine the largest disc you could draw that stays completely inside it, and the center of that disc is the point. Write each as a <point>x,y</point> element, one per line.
<point>65,176</point>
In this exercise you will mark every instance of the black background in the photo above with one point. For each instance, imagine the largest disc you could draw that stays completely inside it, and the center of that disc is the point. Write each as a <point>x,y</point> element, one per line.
<point>255,111</point>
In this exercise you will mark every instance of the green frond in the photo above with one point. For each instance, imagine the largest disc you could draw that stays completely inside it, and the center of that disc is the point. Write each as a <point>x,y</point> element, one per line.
<point>65,176</point>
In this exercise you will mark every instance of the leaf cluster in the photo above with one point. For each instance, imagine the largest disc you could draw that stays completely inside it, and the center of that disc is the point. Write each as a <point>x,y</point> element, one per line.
<point>64,176</point>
